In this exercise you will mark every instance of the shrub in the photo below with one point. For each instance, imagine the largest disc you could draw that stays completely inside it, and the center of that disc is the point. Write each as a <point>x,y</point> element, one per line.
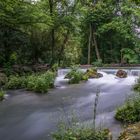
<point>41,83</point>
<point>98,63</point>
<point>8,68</point>
<point>137,86</point>
<point>2,93</point>
<point>82,134</point>
<point>76,77</point>
<point>130,111</point>
<point>54,67</point>
<point>16,82</point>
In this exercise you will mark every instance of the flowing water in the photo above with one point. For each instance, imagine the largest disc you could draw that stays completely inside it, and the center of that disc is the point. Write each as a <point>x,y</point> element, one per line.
<point>28,116</point>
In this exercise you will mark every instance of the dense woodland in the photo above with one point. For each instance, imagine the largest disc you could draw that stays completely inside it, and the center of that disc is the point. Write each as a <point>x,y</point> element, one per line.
<point>69,32</point>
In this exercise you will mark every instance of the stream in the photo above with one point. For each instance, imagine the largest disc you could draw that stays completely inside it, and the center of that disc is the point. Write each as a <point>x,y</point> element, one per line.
<point>25,115</point>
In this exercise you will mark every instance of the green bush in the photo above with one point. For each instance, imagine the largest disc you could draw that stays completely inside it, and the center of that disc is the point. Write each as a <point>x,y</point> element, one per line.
<point>16,82</point>
<point>2,93</point>
<point>98,63</point>
<point>82,134</point>
<point>35,82</point>
<point>8,68</point>
<point>137,87</point>
<point>54,67</point>
<point>129,112</point>
<point>41,83</point>
<point>76,76</point>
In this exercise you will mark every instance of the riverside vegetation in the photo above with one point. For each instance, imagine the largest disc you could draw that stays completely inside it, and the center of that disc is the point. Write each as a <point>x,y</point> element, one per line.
<point>129,114</point>
<point>38,82</point>
<point>130,111</point>
<point>34,81</point>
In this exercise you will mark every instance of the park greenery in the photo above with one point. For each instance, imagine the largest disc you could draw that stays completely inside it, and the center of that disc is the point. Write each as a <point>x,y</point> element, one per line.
<point>130,111</point>
<point>38,82</point>
<point>65,33</point>
<point>82,134</point>
<point>75,75</point>
<point>69,32</point>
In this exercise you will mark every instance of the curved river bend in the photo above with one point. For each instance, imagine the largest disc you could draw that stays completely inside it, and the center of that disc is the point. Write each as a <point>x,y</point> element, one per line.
<point>28,116</point>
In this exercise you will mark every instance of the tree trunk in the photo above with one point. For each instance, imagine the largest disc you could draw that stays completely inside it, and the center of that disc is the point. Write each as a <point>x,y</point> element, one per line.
<point>89,43</point>
<point>94,36</point>
<point>96,46</point>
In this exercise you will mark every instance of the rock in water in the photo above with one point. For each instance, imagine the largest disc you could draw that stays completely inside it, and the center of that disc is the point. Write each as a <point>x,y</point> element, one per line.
<point>131,133</point>
<point>121,74</point>
<point>92,73</point>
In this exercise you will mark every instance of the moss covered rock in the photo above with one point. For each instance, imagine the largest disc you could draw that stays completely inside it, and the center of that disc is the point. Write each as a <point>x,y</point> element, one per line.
<point>92,73</point>
<point>132,132</point>
<point>121,74</point>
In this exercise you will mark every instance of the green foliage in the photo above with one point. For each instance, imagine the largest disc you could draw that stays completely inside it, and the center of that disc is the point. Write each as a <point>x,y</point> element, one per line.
<point>58,32</point>
<point>75,76</point>
<point>137,86</point>
<point>98,63</point>
<point>129,113</point>
<point>7,68</point>
<point>41,83</point>
<point>114,26</point>
<point>16,82</point>
<point>81,134</point>
<point>129,55</point>
<point>54,67</point>
<point>2,93</point>
<point>35,82</point>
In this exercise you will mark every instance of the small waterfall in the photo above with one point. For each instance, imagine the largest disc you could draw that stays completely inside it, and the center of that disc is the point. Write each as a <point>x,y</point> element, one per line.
<point>134,73</point>
<point>130,72</point>
<point>62,72</point>
<point>109,77</point>
<point>60,81</point>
